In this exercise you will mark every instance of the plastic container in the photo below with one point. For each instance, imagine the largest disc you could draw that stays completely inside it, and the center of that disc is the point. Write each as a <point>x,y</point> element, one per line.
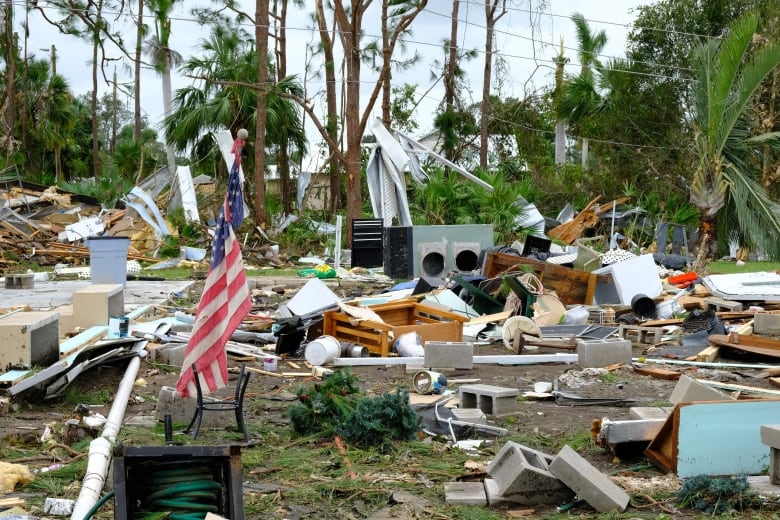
<point>322,350</point>
<point>108,259</point>
<point>270,364</point>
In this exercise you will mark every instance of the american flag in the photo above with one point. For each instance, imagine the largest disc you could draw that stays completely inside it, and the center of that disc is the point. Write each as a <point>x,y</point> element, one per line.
<point>225,300</point>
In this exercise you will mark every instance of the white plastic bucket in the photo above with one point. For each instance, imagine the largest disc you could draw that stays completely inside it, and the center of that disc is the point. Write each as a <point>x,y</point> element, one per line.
<point>322,350</point>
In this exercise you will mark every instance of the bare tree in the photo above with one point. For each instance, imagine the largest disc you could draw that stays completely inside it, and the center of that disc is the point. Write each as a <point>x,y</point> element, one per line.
<point>261,37</point>
<point>490,22</point>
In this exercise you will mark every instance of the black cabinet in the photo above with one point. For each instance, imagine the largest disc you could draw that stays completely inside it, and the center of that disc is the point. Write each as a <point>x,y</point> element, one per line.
<point>367,242</point>
<point>398,255</point>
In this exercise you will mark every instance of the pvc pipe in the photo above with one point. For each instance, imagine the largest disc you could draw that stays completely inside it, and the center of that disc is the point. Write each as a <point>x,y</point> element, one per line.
<point>501,359</point>
<point>99,457</point>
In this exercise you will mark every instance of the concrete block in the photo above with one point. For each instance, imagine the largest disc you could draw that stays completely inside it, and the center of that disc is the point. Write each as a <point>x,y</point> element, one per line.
<point>29,338</point>
<point>170,402</point>
<point>470,415</point>
<point>20,281</point>
<point>770,435</point>
<point>688,390</point>
<point>523,474</point>
<point>494,498</point>
<point>169,354</point>
<point>765,323</point>
<point>713,303</point>
<point>614,433</point>
<point>493,400</point>
<point>599,353</point>
<point>465,493</point>
<point>95,304</point>
<point>638,334</point>
<point>449,354</point>
<point>588,482</point>
<point>649,412</point>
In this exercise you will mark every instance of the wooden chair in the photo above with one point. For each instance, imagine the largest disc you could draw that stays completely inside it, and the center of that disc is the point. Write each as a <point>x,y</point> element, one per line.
<point>236,403</point>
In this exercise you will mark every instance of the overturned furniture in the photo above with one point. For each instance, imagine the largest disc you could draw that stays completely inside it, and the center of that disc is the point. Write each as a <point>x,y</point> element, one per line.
<point>432,324</point>
<point>571,285</point>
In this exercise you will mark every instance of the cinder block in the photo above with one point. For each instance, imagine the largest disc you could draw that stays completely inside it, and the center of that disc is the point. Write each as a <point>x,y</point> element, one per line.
<point>614,433</point>
<point>589,483</point>
<point>765,323</point>
<point>522,475</point>
<point>29,338</point>
<point>649,412</point>
<point>688,390</point>
<point>95,304</point>
<point>170,402</point>
<point>465,493</point>
<point>713,303</point>
<point>638,334</point>
<point>20,281</point>
<point>494,498</point>
<point>169,354</point>
<point>493,400</point>
<point>449,354</point>
<point>470,415</point>
<point>770,435</point>
<point>599,353</point>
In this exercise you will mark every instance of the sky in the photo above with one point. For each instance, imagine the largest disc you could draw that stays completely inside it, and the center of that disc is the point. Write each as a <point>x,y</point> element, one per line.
<point>528,54</point>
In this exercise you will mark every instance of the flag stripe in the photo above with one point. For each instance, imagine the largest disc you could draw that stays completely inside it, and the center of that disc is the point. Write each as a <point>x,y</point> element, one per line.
<point>225,299</point>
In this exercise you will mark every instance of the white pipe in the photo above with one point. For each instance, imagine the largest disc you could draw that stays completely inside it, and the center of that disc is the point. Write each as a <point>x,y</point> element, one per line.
<point>501,359</point>
<point>99,457</point>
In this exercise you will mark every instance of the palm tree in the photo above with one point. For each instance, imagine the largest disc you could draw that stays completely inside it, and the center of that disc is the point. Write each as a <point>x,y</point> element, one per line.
<point>164,58</point>
<point>580,97</point>
<point>725,78</point>
<point>52,110</point>
<point>224,97</point>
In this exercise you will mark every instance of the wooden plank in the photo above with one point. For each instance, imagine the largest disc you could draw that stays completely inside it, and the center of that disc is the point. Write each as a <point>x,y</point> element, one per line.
<point>740,388</point>
<point>709,354</point>
<point>9,502</point>
<point>746,343</point>
<point>658,373</point>
<point>489,318</point>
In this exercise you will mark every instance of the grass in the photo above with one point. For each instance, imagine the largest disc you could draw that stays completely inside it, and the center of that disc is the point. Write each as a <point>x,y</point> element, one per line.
<point>724,267</point>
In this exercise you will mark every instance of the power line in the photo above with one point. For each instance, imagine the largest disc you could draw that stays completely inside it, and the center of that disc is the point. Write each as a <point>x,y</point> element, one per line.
<point>466,22</point>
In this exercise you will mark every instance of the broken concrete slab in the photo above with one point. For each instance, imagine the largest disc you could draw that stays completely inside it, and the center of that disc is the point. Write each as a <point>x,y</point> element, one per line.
<point>588,482</point>
<point>688,390</point>
<point>465,493</point>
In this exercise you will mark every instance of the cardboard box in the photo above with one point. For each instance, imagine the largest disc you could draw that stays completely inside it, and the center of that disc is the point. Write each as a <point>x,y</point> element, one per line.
<point>398,318</point>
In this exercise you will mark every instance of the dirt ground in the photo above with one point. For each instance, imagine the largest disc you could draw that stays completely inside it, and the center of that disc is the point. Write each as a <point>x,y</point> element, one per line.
<point>555,420</point>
